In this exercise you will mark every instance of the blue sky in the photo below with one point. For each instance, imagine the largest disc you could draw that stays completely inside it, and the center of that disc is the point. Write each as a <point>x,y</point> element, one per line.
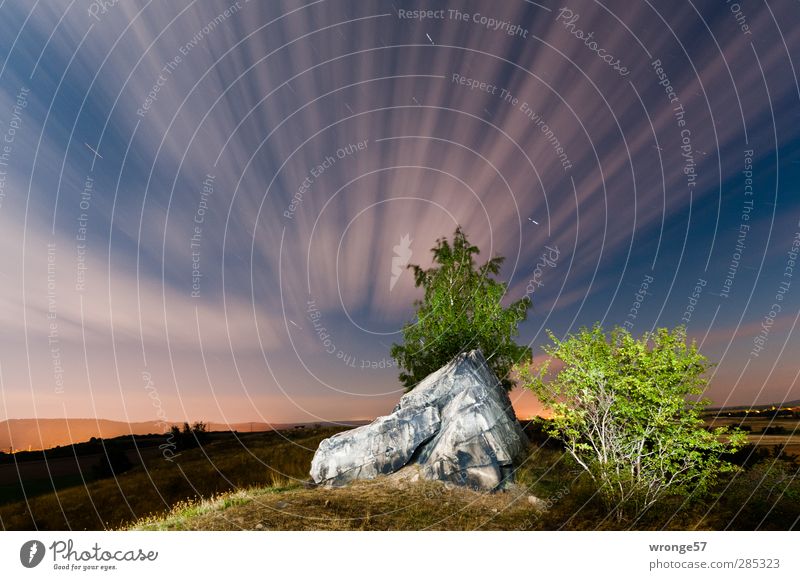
<point>247,158</point>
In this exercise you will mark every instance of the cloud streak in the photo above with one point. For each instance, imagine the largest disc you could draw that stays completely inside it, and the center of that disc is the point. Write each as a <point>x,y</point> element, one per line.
<point>332,130</point>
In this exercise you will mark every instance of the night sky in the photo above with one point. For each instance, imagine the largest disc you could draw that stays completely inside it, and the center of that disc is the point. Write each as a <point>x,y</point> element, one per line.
<point>206,207</point>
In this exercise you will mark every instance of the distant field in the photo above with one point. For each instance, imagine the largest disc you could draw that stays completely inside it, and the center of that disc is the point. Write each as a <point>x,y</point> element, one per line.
<point>225,463</point>
<point>44,476</point>
<point>789,439</point>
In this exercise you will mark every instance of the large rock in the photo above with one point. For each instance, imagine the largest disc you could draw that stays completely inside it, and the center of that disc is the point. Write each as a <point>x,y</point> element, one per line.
<point>457,425</point>
<point>380,448</point>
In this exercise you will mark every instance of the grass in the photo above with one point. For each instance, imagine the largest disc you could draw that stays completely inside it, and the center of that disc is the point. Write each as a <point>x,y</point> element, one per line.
<point>258,482</point>
<point>13,493</point>
<point>274,460</point>
<point>368,505</point>
<point>550,494</point>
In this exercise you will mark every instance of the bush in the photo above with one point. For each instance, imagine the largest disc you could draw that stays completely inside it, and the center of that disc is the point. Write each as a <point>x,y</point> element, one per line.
<point>763,497</point>
<point>538,431</point>
<point>461,311</point>
<point>628,412</point>
<point>191,436</point>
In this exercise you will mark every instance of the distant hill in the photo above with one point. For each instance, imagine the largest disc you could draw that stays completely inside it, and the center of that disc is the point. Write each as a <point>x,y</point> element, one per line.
<point>23,434</point>
<point>35,434</point>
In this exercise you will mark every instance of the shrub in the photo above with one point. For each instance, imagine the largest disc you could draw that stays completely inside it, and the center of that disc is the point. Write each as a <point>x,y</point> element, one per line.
<point>191,436</point>
<point>628,412</point>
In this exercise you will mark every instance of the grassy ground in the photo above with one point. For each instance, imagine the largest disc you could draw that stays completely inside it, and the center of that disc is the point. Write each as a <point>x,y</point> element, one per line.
<point>224,464</point>
<point>375,505</point>
<point>257,483</point>
<point>550,495</point>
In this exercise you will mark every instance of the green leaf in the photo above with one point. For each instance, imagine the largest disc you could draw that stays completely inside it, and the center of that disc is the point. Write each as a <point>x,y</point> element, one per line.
<point>461,310</point>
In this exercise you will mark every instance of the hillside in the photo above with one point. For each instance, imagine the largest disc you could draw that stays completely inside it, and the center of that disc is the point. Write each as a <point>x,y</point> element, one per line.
<point>375,505</point>
<point>36,434</point>
<point>23,434</point>
<point>258,481</point>
<point>550,494</point>
<point>154,484</point>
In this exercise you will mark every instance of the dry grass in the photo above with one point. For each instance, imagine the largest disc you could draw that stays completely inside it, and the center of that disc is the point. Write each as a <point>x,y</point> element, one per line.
<point>269,460</point>
<point>381,504</point>
<point>547,491</point>
<point>258,484</point>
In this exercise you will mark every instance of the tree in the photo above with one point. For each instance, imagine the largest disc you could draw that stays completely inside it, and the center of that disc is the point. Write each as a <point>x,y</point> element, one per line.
<point>191,436</point>
<point>461,310</point>
<point>629,412</point>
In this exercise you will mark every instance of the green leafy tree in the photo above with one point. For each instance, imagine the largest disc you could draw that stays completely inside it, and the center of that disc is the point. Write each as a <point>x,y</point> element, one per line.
<point>629,410</point>
<point>461,310</point>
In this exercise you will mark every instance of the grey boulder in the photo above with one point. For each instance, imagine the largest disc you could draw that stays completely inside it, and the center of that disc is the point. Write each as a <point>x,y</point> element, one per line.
<point>457,426</point>
<point>380,448</point>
